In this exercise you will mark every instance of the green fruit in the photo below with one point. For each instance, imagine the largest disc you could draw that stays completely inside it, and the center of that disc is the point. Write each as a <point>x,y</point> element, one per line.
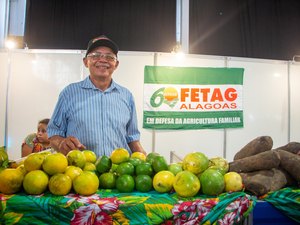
<point>143,183</point>
<point>144,169</point>
<point>195,162</point>
<point>135,161</point>
<point>103,164</point>
<point>107,180</point>
<point>125,183</point>
<point>219,163</point>
<point>125,168</point>
<point>159,163</point>
<point>212,182</point>
<point>3,157</point>
<point>175,168</point>
<point>76,158</point>
<point>150,157</point>
<point>186,184</point>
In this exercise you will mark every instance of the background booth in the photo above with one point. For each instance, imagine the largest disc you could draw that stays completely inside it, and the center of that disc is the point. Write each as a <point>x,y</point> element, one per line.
<point>31,80</point>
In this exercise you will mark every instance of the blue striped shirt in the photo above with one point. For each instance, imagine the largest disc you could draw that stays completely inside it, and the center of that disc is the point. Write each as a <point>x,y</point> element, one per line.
<point>102,121</point>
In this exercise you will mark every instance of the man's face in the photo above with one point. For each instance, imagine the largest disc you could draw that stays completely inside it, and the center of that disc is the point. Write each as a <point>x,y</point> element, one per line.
<point>101,62</point>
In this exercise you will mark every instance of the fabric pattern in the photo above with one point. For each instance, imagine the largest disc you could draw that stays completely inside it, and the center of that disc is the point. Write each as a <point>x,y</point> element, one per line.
<point>111,207</point>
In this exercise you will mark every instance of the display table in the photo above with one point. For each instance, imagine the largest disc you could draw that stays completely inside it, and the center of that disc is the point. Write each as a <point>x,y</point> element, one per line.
<point>112,207</point>
<point>278,207</point>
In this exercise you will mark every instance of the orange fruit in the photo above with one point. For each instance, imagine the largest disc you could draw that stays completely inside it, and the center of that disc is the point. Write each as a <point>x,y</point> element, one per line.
<point>11,180</point>
<point>138,155</point>
<point>144,169</point>
<point>125,168</point>
<point>143,183</point>
<point>233,182</point>
<point>159,163</point>
<point>55,163</point>
<point>34,161</point>
<point>90,156</point>
<point>195,162</point>
<point>73,171</point>
<point>35,182</point>
<point>76,158</point>
<point>125,183</point>
<point>60,184</point>
<point>119,155</point>
<point>87,183</point>
<point>89,166</point>
<point>186,184</point>
<point>163,181</point>
<point>107,180</point>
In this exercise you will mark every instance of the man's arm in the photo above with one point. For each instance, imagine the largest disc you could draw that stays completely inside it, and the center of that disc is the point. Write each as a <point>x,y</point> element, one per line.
<point>136,146</point>
<point>64,145</point>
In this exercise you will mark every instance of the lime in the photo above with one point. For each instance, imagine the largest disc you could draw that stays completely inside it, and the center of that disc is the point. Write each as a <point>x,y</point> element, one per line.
<point>150,157</point>
<point>135,161</point>
<point>103,164</point>
<point>175,168</point>
<point>143,183</point>
<point>212,182</point>
<point>107,180</point>
<point>159,163</point>
<point>144,168</point>
<point>125,183</point>
<point>125,168</point>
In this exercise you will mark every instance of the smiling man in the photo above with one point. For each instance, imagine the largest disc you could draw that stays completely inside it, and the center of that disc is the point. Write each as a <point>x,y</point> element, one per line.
<point>96,113</point>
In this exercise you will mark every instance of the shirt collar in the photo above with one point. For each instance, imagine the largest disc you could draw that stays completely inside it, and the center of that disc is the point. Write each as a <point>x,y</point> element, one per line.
<point>87,83</point>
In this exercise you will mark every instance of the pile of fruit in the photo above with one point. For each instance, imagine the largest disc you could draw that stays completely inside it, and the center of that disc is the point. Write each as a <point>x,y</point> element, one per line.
<point>82,173</point>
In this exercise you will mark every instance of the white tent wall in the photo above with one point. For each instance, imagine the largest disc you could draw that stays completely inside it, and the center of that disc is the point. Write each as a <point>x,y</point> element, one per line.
<point>271,98</point>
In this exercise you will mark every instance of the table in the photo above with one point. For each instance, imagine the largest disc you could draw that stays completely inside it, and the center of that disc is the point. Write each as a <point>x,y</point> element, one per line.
<point>111,207</point>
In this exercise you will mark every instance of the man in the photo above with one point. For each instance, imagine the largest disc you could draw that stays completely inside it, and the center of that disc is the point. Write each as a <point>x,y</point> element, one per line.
<point>96,113</point>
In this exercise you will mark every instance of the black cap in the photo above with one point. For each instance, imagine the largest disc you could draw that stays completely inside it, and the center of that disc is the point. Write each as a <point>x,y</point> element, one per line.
<point>102,41</point>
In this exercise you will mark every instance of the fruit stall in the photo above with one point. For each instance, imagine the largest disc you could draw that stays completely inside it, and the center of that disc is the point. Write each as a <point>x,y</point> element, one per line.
<point>79,188</point>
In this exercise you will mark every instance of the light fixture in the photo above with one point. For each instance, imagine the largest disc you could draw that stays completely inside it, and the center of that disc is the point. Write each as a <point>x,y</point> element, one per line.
<point>177,50</point>
<point>10,44</point>
<point>296,58</point>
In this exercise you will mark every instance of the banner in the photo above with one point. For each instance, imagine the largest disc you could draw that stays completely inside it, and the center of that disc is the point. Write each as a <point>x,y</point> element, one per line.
<point>192,97</point>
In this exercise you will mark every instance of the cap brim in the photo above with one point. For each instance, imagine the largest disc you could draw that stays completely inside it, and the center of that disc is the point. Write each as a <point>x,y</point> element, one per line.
<point>105,43</point>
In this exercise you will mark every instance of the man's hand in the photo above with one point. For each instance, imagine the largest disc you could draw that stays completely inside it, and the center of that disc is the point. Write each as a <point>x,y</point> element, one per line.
<point>64,145</point>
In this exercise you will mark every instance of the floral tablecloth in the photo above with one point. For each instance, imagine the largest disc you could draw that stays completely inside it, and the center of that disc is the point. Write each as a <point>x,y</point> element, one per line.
<point>112,207</point>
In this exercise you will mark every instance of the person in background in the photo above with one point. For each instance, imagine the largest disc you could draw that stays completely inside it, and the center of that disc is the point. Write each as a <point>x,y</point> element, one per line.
<point>96,113</point>
<point>37,142</point>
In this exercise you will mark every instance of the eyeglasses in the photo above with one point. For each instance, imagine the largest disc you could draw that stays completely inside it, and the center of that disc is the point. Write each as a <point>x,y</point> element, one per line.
<point>99,55</point>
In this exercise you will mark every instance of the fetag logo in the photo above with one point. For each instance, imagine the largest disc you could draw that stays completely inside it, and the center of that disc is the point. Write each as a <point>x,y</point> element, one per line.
<point>164,95</point>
